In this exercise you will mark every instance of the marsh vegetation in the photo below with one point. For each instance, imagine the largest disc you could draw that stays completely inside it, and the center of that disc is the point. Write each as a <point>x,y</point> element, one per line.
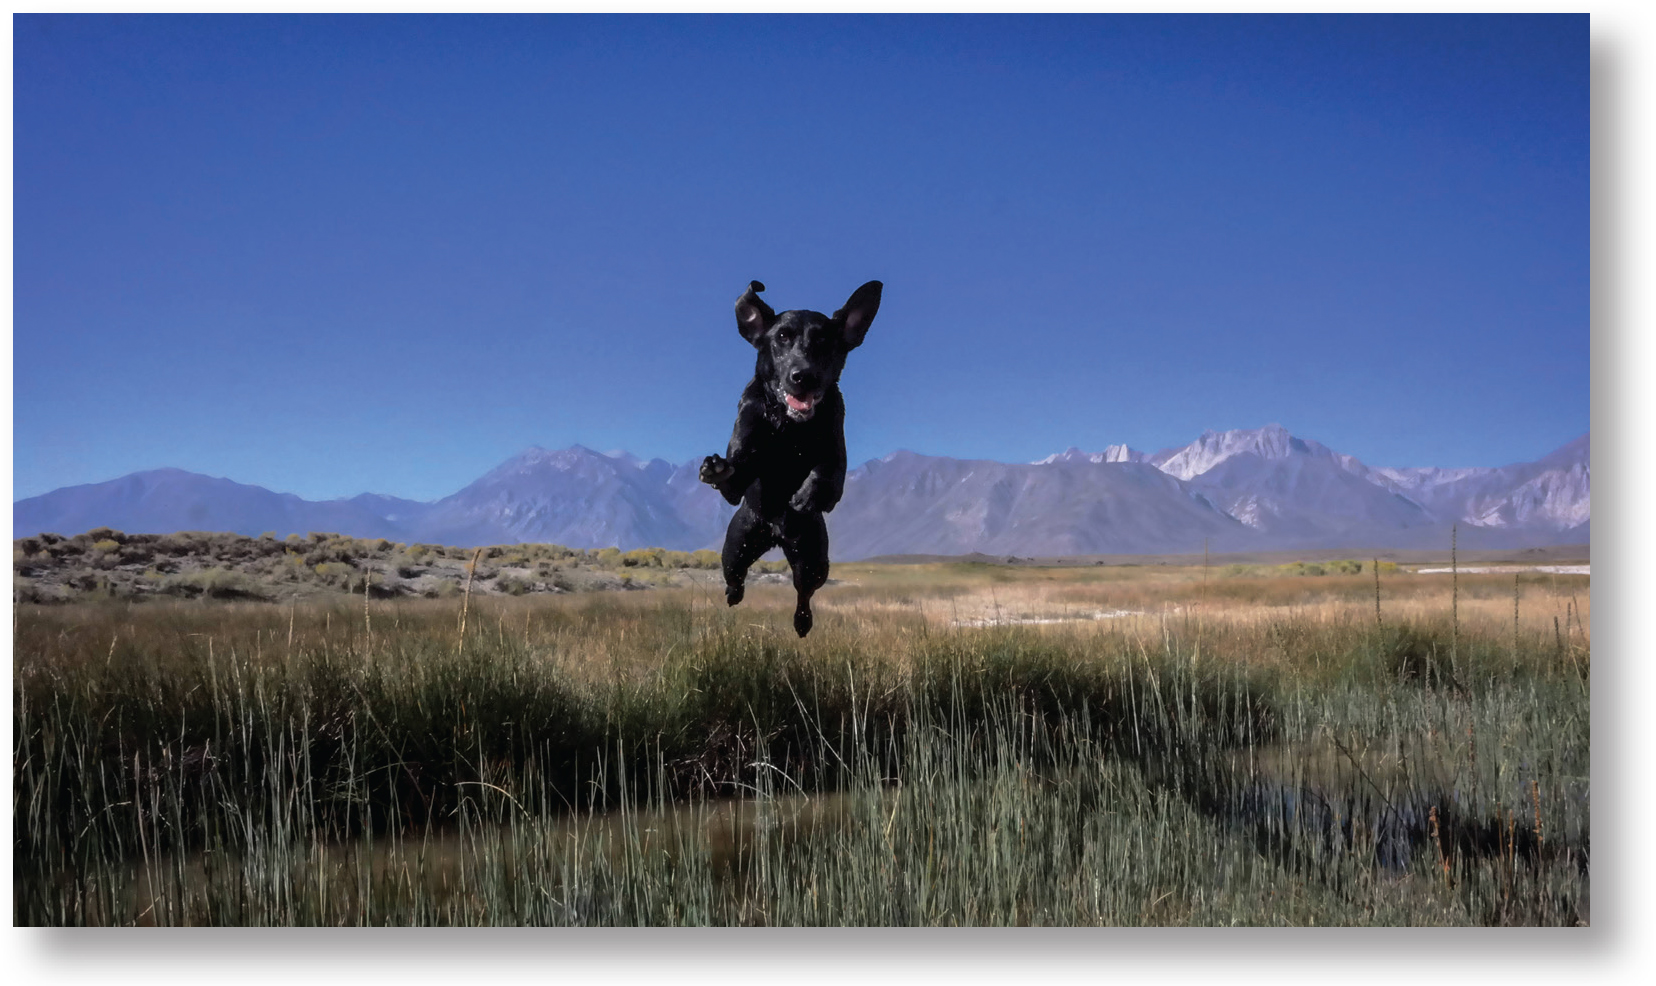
<point>953,744</point>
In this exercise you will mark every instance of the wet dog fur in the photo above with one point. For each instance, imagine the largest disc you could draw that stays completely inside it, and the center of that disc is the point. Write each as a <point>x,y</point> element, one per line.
<point>785,465</point>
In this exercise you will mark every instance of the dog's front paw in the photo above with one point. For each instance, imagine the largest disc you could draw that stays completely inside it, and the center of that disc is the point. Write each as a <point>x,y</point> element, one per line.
<point>813,497</point>
<point>805,501</point>
<point>715,470</point>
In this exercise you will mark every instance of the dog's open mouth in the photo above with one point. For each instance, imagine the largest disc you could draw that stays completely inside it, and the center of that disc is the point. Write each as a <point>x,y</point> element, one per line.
<point>799,408</point>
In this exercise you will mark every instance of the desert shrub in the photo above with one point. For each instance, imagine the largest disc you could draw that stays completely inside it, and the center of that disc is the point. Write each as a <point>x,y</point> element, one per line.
<point>1301,568</point>
<point>334,573</point>
<point>266,565</point>
<point>23,590</point>
<point>138,551</point>
<point>644,558</point>
<point>371,582</point>
<point>705,559</point>
<point>214,583</point>
<point>176,545</point>
<point>68,548</point>
<point>337,549</point>
<point>512,585</point>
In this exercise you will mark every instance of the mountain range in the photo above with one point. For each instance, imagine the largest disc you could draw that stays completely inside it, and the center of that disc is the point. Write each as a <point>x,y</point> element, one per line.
<point>1260,489</point>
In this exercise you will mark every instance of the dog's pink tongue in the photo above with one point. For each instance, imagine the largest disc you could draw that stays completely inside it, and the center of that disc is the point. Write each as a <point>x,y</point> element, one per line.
<point>796,403</point>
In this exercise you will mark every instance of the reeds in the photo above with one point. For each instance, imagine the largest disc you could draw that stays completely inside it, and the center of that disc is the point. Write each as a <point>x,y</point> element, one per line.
<point>666,760</point>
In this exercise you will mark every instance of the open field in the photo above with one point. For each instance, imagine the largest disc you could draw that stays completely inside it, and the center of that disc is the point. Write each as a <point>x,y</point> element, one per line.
<point>1404,557</point>
<point>955,743</point>
<point>106,564</point>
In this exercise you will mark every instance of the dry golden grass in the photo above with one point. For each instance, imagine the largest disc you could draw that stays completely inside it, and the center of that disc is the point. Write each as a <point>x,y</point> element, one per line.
<point>969,596</point>
<point>321,713</point>
<point>879,610</point>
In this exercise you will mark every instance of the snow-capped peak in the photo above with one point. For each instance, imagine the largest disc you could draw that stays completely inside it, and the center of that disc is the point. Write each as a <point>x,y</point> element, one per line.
<point>1121,453</point>
<point>1111,453</point>
<point>1214,447</point>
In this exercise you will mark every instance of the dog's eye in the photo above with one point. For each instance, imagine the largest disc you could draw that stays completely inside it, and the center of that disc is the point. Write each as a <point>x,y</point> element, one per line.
<point>784,337</point>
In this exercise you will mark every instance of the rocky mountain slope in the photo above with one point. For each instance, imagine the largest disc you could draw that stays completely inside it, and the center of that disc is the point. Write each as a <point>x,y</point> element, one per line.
<point>1256,489</point>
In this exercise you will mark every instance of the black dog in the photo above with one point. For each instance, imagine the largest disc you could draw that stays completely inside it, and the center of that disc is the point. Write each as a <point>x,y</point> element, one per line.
<point>786,461</point>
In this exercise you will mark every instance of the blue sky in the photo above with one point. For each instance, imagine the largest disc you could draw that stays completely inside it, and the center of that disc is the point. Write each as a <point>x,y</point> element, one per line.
<point>330,255</point>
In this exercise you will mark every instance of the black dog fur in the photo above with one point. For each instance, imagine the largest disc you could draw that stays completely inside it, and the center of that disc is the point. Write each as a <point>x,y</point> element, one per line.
<point>785,465</point>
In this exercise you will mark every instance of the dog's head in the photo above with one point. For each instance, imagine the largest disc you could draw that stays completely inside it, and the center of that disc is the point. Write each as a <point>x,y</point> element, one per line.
<point>801,353</point>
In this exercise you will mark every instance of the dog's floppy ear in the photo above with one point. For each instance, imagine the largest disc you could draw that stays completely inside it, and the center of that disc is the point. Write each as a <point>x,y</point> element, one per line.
<point>858,313</point>
<point>753,316</point>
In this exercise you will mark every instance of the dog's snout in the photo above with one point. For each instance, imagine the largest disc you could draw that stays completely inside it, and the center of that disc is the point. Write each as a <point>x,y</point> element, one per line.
<point>796,376</point>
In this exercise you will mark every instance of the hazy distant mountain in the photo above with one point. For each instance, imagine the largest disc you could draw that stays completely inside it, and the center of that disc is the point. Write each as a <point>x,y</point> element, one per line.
<point>1296,492</point>
<point>392,508</point>
<point>1302,498</point>
<point>580,498</point>
<point>1238,490</point>
<point>1553,493</point>
<point>1302,493</point>
<point>917,504</point>
<point>162,501</point>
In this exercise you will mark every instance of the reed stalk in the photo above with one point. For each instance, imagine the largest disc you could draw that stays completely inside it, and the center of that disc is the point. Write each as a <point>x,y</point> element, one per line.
<point>465,599</point>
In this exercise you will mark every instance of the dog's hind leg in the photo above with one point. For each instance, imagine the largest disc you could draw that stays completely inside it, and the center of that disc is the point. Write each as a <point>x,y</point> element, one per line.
<point>806,545</point>
<point>746,539</point>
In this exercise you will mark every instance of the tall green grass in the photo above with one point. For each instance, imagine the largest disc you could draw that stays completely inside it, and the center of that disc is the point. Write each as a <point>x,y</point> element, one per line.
<point>612,761</point>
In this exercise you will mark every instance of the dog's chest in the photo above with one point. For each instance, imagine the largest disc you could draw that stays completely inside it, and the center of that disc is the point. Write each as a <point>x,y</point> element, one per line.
<point>796,450</point>
<point>789,454</point>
